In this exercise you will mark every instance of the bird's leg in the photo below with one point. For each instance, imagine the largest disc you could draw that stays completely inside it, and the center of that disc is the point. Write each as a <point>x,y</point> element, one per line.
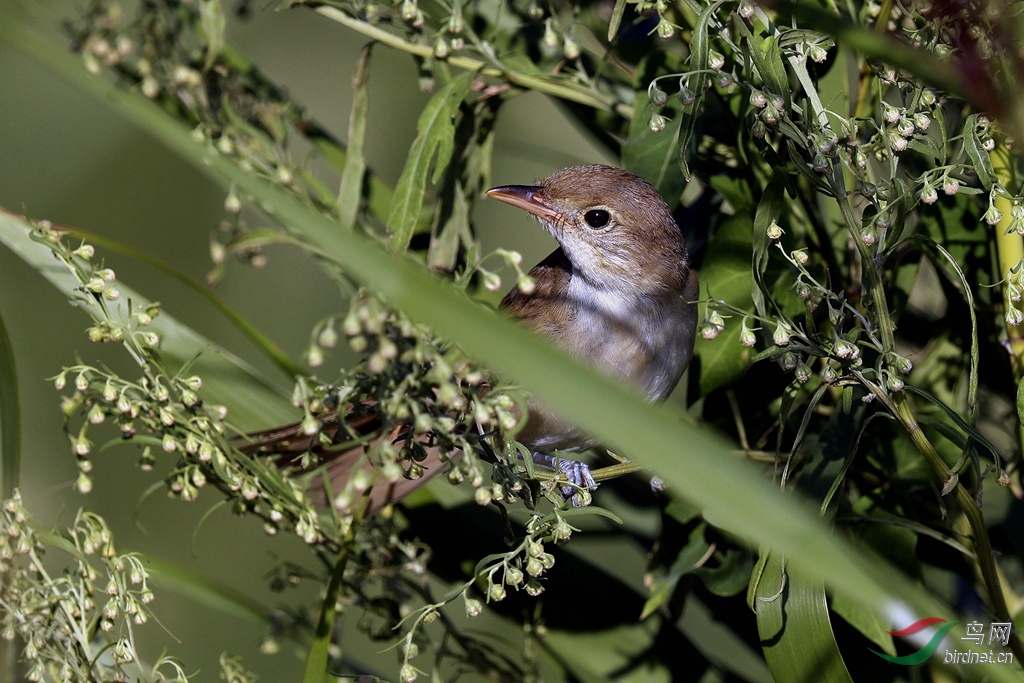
<point>581,481</point>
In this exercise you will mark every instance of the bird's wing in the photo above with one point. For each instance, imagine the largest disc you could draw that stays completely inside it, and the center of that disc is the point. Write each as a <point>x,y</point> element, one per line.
<point>545,308</point>
<point>288,444</point>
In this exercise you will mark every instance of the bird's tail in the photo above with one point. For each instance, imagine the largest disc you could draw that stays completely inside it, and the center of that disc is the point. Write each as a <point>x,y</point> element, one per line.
<point>341,445</point>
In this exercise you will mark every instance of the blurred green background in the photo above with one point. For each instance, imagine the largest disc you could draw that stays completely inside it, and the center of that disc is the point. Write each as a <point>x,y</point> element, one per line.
<point>68,158</point>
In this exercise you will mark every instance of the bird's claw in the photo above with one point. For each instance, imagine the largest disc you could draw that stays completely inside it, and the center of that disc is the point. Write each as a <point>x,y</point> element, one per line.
<point>580,482</point>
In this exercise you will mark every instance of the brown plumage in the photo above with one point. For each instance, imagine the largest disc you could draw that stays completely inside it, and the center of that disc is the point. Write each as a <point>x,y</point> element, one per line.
<point>617,293</point>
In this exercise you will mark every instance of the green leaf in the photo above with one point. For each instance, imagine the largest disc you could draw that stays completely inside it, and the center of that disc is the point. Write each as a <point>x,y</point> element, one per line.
<point>351,192</point>
<point>618,654</point>
<point>796,634</point>
<point>253,400</point>
<point>726,275</point>
<point>1020,401</point>
<point>700,49</point>
<point>870,626</point>
<point>436,136</point>
<point>767,58</point>
<point>10,417</point>
<point>212,22</point>
<point>444,248</point>
<point>736,191</point>
<point>731,576</point>
<point>686,561</point>
<point>205,590</point>
<point>650,155</point>
<point>768,211</point>
<point>616,20</point>
<point>980,160</point>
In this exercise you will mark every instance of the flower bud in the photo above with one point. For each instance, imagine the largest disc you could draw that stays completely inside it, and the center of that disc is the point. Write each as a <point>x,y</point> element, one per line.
<point>868,235</point>
<point>86,251</point>
<point>709,331</point>
<point>993,215</point>
<point>657,123</point>
<point>513,576</point>
<point>659,98</point>
<point>781,335</point>
<point>232,204</point>
<point>474,608</point>
<point>686,96</point>
<point>803,372</point>
<point>482,496</point>
<point>747,337</point>
<point>928,194</point>
<point>828,373</point>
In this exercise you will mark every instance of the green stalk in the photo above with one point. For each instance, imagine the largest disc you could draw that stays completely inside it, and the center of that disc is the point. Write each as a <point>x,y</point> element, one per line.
<point>563,90</point>
<point>10,456</point>
<point>316,660</point>
<point>10,417</point>
<point>901,409</point>
<point>1009,249</point>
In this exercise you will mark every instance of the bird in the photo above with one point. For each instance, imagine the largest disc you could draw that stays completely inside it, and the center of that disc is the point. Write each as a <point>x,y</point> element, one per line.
<point>618,293</point>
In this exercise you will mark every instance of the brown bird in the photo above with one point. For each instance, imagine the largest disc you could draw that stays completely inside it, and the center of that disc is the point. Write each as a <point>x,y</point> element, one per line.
<point>618,293</point>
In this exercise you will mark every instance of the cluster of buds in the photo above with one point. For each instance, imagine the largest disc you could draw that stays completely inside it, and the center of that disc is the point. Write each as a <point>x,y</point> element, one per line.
<point>161,405</point>
<point>522,567</point>
<point>769,109</point>
<point>48,613</point>
<point>436,399</point>
<point>1013,288</point>
<point>936,179</point>
<point>714,321</point>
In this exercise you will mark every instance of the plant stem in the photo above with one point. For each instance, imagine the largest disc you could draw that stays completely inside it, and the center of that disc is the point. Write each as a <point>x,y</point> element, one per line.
<point>555,88</point>
<point>316,660</point>
<point>975,519</point>
<point>971,511</point>
<point>1009,249</point>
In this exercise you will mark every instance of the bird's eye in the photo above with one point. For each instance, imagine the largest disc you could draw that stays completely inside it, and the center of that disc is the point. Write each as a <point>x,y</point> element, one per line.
<point>596,218</point>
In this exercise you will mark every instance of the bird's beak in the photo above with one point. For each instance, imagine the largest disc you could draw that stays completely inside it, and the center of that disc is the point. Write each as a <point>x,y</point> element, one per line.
<point>525,197</point>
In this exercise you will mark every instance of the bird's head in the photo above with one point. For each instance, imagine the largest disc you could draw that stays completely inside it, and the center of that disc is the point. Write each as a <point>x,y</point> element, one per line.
<point>614,227</point>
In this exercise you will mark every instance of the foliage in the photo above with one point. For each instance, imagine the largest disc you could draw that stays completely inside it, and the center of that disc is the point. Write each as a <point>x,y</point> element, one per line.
<point>861,294</point>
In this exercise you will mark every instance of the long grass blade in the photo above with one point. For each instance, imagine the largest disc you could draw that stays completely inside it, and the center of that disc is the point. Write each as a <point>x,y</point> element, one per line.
<point>351,191</point>
<point>10,416</point>
<point>206,590</point>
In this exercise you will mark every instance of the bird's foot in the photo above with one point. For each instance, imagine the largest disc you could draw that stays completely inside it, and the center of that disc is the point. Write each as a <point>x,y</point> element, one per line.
<point>580,480</point>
